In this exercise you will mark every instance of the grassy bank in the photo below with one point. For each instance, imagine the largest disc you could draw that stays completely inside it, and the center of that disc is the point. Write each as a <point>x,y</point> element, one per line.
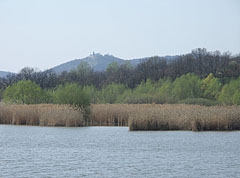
<point>42,115</point>
<point>136,116</point>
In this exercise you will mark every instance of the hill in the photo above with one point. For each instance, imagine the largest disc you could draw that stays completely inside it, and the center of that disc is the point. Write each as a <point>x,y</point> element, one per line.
<point>4,73</point>
<point>98,62</point>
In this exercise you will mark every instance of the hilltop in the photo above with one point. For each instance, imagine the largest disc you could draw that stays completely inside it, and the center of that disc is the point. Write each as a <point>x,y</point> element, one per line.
<point>98,62</point>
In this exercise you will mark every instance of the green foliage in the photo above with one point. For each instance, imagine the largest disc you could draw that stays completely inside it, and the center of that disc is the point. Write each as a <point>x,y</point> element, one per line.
<point>25,92</point>
<point>236,98</point>
<point>91,92</point>
<point>211,87</point>
<point>148,92</point>
<point>230,93</point>
<point>145,87</point>
<point>188,89</point>
<point>72,94</point>
<point>153,92</point>
<point>165,91</point>
<point>143,93</point>
<point>49,96</point>
<point>110,93</point>
<point>125,97</point>
<point>187,86</point>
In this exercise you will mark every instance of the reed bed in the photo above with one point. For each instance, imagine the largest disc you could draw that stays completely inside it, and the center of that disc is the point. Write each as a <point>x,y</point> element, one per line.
<point>110,114</point>
<point>42,115</point>
<point>166,117</point>
<point>185,117</point>
<point>136,116</point>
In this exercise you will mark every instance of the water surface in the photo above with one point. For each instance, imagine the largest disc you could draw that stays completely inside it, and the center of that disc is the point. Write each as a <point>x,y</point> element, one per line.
<point>27,151</point>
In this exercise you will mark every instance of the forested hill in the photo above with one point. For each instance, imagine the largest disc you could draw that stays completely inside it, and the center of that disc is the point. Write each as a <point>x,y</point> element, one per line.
<point>99,62</point>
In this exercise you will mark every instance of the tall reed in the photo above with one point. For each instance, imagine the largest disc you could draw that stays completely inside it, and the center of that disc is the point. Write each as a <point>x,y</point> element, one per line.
<point>185,117</point>
<point>110,114</point>
<point>43,115</point>
<point>136,116</point>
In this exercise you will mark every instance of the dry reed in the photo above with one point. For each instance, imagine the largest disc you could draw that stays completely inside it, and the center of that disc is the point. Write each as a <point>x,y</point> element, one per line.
<point>43,115</point>
<point>110,114</point>
<point>136,116</point>
<point>185,117</point>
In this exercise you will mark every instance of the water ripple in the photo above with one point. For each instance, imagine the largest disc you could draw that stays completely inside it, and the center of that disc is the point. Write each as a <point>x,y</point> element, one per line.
<point>27,151</point>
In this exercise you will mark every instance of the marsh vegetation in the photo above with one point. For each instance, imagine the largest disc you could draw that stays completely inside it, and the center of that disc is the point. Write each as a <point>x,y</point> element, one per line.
<point>41,115</point>
<point>135,116</point>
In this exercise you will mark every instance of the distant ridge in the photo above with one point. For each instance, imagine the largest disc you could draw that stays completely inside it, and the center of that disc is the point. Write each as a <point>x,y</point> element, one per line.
<point>98,62</point>
<point>4,74</point>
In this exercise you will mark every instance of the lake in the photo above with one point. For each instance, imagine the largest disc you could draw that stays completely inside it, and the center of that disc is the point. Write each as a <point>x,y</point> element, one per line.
<point>32,151</point>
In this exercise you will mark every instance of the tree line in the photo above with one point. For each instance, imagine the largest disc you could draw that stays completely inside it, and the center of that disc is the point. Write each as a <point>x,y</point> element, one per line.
<point>199,74</point>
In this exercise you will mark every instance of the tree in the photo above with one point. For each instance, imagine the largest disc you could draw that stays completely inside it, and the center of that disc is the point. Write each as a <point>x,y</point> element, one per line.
<point>200,54</point>
<point>25,92</point>
<point>211,87</point>
<point>83,73</point>
<point>46,79</point>
<point>233,69</point>
<point>142,70</point>
<point>187,86</point>
<point>71,94</point>
<point>92,92</point>
<point>230,93</point>
<point>143,93</point>
<point>27,73</point>
<point>110,93</point>
<point>236,98</point>
<point>165,91</point>
<point>120,74</point>
<point>145,87</point>
<point>152,68</point>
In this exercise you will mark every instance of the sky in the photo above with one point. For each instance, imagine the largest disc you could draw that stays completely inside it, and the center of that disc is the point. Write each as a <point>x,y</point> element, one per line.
<point>45,33</point>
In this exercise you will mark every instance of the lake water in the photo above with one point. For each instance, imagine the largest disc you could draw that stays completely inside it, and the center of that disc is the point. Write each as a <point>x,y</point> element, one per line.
<point>27,151</point>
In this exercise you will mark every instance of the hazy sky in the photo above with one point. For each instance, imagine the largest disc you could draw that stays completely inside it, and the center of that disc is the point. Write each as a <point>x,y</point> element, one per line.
<point>45,33</point>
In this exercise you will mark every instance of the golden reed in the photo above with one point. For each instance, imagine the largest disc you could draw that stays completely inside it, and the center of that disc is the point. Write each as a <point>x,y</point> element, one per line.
<point>42,115</point>
<point>110,114</point>
<point>185,117</point>
<point>136,116</point>
<point>166,117</point>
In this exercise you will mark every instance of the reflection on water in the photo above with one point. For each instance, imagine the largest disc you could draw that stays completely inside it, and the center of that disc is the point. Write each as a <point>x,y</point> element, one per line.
<point>27,151</point>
